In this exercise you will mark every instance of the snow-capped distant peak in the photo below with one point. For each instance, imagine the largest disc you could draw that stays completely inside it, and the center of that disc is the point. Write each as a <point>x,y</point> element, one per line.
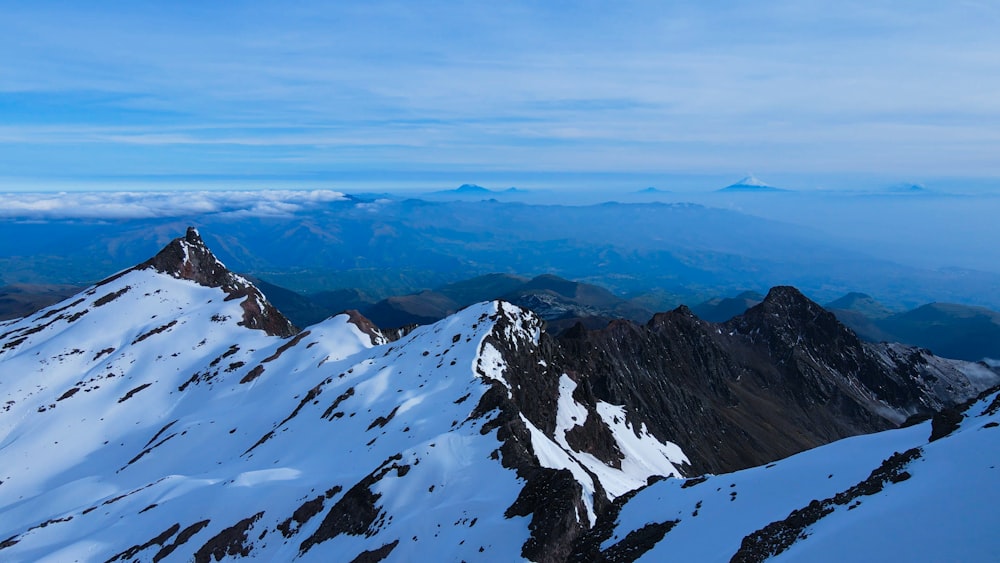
<point>752,180</point>
<point>752,184</point>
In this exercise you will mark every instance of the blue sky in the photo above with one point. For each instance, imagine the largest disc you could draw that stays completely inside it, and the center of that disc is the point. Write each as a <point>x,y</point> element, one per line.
<point>429,94</point>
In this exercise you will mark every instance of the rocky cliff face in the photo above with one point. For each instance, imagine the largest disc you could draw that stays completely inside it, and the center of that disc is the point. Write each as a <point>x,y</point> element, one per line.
<point>781,378</point>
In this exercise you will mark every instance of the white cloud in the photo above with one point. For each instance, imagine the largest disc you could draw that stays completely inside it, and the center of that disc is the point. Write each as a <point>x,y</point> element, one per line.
<point>140,205</point>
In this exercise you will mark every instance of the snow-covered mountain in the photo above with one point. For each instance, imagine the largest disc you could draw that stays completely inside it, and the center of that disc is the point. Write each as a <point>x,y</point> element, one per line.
<point>153,417</point>
<point>751,184</point>
<point>171,413</point>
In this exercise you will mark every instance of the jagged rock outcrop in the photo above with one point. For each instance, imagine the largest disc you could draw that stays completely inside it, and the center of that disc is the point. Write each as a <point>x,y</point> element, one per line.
<point>188,258</point>
<point>783,377</point>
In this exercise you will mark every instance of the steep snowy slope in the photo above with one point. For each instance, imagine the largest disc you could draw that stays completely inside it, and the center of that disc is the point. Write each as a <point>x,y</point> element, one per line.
<point>168,413</point>
<point>923,493</point>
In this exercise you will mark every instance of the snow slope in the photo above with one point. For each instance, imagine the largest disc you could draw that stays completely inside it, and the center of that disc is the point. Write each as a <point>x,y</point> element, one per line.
<point>938,506</point>
<point>143,419</point>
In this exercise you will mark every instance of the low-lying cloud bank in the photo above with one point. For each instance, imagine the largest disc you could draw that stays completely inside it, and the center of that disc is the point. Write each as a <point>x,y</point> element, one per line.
<point>142,205</point>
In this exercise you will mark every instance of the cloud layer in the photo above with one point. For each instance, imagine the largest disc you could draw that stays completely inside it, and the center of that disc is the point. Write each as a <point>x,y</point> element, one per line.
<point>143,205</point>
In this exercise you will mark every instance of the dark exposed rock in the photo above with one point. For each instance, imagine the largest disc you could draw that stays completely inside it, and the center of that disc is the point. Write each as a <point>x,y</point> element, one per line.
<point>593,436</point>
<point>51,521</point>
<point>944,423</point>
<point>993,407</point>
<point>284,347</point>
<point>156,330</point>
<point>336,403</point>
<point>694,481</point>
<point>111,296</point>
<point>254,373</point>
<point>160,539</point>
<point>356,512</point>
<point>552,497</point>
<point>376,555</point>
<point>383,420</point>
<point>148,449</point>
<point>132,392</point>
<point>394,334</point>
<point>587,545</point>
<point>182,538</point>
<point>805,339</point>
<point>290,526</point>
<point>231,541</point>
<point>160,432</point>
<point>637,542</point>
<point>103,352</point>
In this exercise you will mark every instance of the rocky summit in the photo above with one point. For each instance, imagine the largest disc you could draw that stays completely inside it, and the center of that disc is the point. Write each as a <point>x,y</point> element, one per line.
<point>171,413</point>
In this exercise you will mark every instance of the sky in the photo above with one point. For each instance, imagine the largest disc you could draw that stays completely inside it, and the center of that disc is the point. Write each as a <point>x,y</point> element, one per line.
<point>342,95</point>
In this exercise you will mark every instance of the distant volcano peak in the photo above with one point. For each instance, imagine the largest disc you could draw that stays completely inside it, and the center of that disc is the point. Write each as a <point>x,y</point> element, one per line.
<point>751,183</point>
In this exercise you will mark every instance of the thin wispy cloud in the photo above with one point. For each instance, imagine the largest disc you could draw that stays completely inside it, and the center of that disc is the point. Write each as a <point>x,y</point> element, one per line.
<point>262,88</point>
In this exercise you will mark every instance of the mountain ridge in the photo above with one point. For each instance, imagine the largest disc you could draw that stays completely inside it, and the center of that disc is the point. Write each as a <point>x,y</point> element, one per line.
<point>144,417</point>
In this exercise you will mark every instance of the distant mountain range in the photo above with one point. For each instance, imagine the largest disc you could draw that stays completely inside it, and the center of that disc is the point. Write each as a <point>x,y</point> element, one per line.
<point>170,412</point>
<point>388,248</point>
<point>559,301</point>
<point>949,330</point>
<point>20,300</point>
<point>475,191</point>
